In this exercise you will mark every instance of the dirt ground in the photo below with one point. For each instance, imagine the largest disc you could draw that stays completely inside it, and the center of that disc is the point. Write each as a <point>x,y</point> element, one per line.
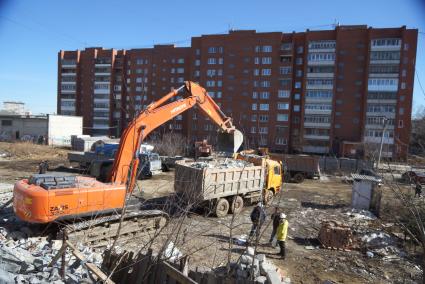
<point>206,239</point>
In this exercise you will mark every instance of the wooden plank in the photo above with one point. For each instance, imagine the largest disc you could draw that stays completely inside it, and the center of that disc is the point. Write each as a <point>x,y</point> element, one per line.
<point>93,268</point>
<point>177,275</point>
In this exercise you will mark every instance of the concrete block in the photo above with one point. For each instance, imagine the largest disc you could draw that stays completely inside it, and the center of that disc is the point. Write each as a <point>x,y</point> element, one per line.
<point>261,257</point>
<point>261,280</point>
<point>246,259</point>
<point>273,277</point>
<point>250,251</point>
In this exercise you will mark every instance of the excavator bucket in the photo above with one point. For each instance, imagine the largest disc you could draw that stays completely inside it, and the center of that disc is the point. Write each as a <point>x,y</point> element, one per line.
<point>229,142</point>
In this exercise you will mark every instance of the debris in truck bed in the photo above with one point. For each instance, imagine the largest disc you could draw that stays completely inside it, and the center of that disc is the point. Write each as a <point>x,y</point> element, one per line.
<point>221,164</point>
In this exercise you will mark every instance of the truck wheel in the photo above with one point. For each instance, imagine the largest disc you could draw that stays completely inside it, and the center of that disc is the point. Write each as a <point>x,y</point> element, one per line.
<point>222,207</point>
<point>299,178</point>
<point>237,205</point>
<point>269,194</point>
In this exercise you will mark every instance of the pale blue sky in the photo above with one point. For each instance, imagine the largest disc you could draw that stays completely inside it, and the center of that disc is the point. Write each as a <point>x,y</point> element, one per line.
<point>32,32</point>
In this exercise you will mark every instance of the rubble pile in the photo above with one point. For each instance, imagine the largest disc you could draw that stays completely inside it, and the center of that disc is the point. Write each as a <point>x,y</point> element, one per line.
<point>335,235</point>
<point>257,267</point>
<point>26,260</point>
<point>221,164</point>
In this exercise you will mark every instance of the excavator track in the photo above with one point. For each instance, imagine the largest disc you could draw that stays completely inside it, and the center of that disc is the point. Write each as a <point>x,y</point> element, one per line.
<point>100,232</point>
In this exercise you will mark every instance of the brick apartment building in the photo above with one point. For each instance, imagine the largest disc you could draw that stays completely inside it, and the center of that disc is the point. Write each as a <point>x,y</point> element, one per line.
<point>330,91</point>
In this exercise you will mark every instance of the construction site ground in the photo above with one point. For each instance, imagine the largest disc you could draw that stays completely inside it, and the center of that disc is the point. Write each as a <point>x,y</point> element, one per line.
<point>207,239</point>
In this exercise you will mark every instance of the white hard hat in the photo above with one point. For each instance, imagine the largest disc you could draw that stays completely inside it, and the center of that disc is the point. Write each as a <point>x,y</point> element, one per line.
<point>282,216</point>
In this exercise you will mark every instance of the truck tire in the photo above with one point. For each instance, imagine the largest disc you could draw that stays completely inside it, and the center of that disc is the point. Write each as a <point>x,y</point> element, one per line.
<point>222,208</point>
<point>299,178</point>
<point>237,204</point>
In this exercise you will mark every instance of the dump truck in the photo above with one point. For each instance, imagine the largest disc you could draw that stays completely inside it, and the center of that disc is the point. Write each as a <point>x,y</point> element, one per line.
<point>224,186</point>
<point>298,167</point>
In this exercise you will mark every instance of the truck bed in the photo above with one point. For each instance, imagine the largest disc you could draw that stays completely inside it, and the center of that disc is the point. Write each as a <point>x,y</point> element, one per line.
<point>201,184</point>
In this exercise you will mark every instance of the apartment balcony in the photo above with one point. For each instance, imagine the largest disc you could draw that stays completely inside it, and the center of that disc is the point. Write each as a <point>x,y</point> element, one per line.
<point>320,75</point>
<point>380,62</point>
<point>100,126</point>
<point>68,82</point>
<point>318,100</point>
<point>385,48</point>
<point>377,140</point>
<point>381,114</point>
<point>317,125</point>
<point>69,65</point>
<point>102,64</point>
<point>67,108</point>
<point>315,149</point>
<point>382,88</point>
<point>316,137</point>
<point>68,74</point>
<point>384,75</point>
<point>100,118</point>
<point>320,63</point>
<point>102,91</point>
<point>381,101</point>
<point>317,111</point>
<point>319,87</point>
<point>102,74</point>
<point>68,91</point>
<point>329,49</point>
<point>378,126</point>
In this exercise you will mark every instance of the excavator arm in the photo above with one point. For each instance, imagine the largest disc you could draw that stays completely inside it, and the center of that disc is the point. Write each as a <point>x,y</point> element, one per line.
<point>126,161</point>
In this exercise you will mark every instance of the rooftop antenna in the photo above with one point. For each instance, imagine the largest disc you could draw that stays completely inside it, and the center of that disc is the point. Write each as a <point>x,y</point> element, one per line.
<point>336,23</point>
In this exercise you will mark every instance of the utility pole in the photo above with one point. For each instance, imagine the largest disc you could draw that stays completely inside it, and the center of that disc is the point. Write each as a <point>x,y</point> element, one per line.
<point>384,121</point>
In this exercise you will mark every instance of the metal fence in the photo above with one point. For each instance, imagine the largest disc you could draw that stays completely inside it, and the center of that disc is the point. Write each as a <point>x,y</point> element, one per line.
<point>333,165</point>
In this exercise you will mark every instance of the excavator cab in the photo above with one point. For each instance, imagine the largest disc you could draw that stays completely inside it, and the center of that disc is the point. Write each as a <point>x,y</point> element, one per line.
<point>229,143</point>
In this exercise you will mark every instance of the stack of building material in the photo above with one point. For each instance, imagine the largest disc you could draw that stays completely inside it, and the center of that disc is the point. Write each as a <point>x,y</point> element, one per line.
<point>333,235</point>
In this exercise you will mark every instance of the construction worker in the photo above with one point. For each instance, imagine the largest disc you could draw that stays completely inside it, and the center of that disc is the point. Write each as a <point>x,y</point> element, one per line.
<point>258,216</point>
<point>282,232</point>
<point>418,189</point>
<point>276,221</point>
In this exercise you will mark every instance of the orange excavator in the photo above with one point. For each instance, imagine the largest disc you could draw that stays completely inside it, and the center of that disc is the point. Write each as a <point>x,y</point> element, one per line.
<point>47,198</point>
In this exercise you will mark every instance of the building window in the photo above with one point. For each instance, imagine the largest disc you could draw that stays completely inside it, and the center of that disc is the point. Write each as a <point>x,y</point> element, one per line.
<point>197,62</point>
<point>285,70</point>
<point>265,95</point>
<point>263,130</point>
<point>254,95</point>
<point>401,111</point>
<point>283,93</point>
<point>403,85</point>
<point>197,73</point>
<point>264,107</point>
<point>296,108</point>
<point>297,85</point>
<point>220,60</point>
<point>254,118</point>
<point>299,73</point>
<point>6,123</point>
<point>263,118</point>
<point>219,94</point>
<point>180,70</point>
<point>180,60</point>
<point>266,60</point>
<point>297,96</point>
<point>400,123</point>
<point>282,117</point>
<point>266,72</point>
<point>281,106</point>
<point>299,61</point>
<point>319,94</point>
<point>267,48</point>
<point>253,129</point>
<point>211,61</point>
<point>256,72</point>
<point>210,83</point>
<point>254,106</point>
<point>212,49</point>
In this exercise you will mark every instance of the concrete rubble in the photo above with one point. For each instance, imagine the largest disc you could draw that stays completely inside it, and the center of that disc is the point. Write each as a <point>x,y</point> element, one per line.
<point>257,267</point>
<point>221,164</point>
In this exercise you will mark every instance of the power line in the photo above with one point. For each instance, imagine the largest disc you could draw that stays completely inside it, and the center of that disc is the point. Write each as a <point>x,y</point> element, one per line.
<point>419,81</point>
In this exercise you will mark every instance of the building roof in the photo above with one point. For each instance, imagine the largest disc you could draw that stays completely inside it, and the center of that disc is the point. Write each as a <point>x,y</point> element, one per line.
<point>6,113</point>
